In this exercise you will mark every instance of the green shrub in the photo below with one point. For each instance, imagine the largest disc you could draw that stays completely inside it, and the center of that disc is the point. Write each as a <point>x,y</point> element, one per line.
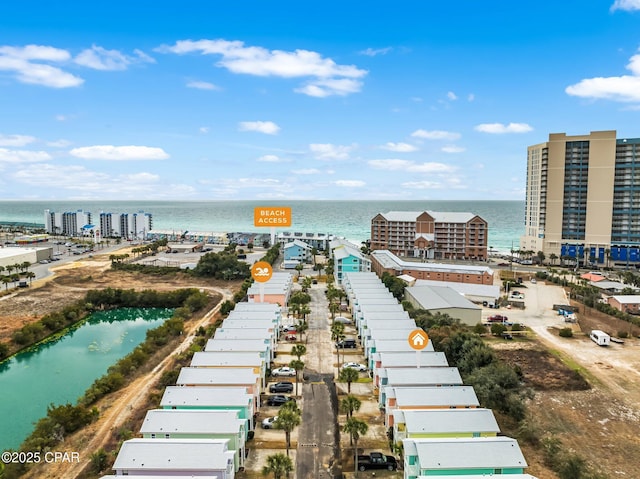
<point>497,329</point>
<point>623,334</point>
<point>479,328</point>
<point>566,333</point>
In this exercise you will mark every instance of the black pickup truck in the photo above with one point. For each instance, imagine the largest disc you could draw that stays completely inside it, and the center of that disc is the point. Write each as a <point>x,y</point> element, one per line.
<point>377,460</point>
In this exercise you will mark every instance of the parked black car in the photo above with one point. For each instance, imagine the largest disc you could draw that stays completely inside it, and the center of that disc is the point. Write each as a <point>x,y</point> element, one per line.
<point>346,344</point>
<point>377,460</point>
<point>282,387</point>
<point>278,400</point>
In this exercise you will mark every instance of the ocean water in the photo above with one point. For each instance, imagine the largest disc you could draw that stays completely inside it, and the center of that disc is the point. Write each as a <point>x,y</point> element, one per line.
<point>349,219</point>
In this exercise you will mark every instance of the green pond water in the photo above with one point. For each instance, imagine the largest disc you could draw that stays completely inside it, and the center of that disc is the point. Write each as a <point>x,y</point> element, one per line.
<point>61,370</point>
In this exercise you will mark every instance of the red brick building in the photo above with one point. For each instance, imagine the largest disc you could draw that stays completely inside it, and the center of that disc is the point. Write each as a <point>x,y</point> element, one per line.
<point>430,234</point>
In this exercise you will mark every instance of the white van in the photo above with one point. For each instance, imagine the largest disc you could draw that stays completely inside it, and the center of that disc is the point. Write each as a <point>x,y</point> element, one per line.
<point>600,337</point>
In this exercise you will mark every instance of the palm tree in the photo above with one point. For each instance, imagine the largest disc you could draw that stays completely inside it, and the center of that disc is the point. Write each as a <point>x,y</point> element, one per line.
<point>348,375</point>
<point>279,465</point>
<point>607,254</point>
<point>30,275</point>
<point>304,310</point>
<point>553,257</point>
<point>349,405</point>
<point>298,366</point>
<point>299,268</point>
<point>337,334</point>
<point>318,267</point>
<point>355,428</point>
<point>306,283</point>
<point>302,327</point>
<point>299,350</point>
<point>288,419</point>
<point>6,280</point>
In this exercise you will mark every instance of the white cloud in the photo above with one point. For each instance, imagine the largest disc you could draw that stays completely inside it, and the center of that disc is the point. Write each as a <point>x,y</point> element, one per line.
<point>328,151</point>
<point>68,177</point>
<point>372,52</point>
<point>16,140</point>
<point>272,159</point>
<point>331,86</point>
<point>327,77</point>
<point>625,88</point>
<point>266,127</point>
<point>452,96</point>
<point>307,171</point>
<point>202,85</point>
<point>453,149</point>
<point>204,130</point>
<point>500,128</point>
<point>422,185</point>
<point>100,58</point>
<point>399,147</point>
<point>349,183</point>
<point>436,135</point>
<point>471,97</point>
<point>61,118</point>
<point>22,156</point>
<point>410,166</point>
<point>254,182</point>
<point>142,177</point>
<point>627,5</point>
<point>26,63</point>
<point>119,153</point>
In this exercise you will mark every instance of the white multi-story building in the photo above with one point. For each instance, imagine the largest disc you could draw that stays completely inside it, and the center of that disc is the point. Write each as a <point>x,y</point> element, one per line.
<point>129,226</point>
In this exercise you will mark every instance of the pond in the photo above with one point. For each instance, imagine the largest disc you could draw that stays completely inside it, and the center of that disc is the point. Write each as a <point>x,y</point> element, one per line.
<point>61,370</point>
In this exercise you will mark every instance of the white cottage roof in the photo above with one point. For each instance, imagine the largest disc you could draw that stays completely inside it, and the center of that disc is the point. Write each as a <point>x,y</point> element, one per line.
<point>427,376</point>
<point>442,421</point>
<point>191,421</point>
<point>243,376</point>
<point>467,453</point>
<point>204,396</point>
<point>173,454</point>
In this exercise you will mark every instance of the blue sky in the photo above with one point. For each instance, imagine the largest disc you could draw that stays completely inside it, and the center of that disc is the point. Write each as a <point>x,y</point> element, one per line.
<point>291,100</point>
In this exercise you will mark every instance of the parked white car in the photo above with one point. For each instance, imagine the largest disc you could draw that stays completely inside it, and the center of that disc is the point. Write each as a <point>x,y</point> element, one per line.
<point>357,366</point>
<point>284,371</point>
<point>268,422</point>
<point>343,320</point>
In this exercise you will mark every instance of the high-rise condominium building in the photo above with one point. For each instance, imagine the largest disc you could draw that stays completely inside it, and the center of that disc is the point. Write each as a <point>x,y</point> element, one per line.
<point>129,226</point>
<point>583,198</point>
<point>430,234</point>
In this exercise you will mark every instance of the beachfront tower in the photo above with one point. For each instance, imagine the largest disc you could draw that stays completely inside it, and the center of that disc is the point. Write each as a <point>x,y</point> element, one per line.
<point>583,198</point>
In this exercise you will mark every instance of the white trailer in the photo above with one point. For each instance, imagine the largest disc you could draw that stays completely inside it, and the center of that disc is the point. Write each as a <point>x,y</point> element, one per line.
<point>600,337</point>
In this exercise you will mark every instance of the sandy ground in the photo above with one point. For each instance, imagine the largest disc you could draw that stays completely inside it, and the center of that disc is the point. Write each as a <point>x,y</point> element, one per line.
<point>599,424</point>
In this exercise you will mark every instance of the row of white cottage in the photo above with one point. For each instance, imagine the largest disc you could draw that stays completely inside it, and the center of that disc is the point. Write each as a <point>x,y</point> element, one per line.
<point>437,419</point>
<point>204,420</point>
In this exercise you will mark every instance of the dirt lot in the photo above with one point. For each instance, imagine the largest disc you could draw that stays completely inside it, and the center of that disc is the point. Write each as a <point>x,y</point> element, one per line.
<point>596,413</point>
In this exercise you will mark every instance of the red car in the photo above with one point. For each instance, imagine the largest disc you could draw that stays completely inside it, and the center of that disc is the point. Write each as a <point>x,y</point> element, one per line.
<point>291,337</point>
<point>497,318</point>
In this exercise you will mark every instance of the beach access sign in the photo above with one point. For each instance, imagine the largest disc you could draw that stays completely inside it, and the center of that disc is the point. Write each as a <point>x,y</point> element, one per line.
<point>272,216</point>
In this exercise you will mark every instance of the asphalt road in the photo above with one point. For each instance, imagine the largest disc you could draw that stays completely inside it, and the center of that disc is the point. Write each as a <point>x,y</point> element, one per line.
<point>318,435</point>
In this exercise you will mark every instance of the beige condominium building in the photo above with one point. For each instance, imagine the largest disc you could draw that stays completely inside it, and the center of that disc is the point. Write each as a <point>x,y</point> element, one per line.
<point>583,198</point>
<point>430,234</point>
